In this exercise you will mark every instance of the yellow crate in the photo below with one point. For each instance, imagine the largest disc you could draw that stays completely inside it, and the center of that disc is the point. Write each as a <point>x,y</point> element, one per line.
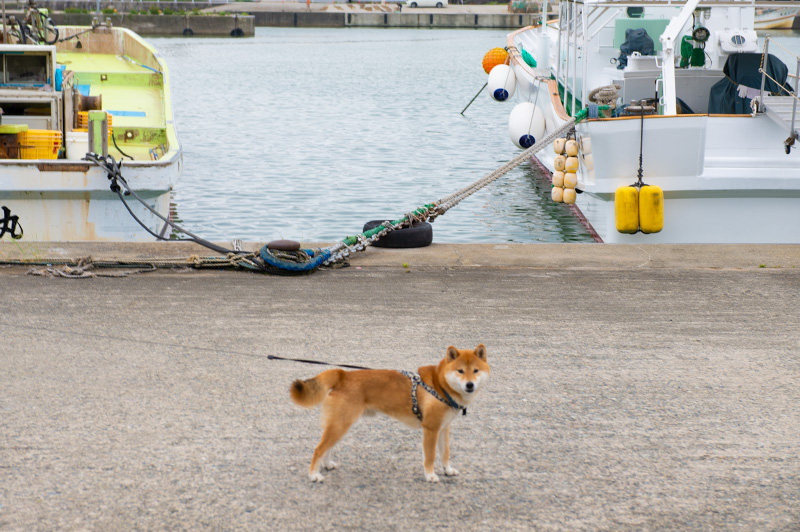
<point>83,119</point>
<point>39,144</point>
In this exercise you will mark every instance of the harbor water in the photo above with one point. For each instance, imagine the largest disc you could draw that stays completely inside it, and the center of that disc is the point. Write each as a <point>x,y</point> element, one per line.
<point>308,133</point>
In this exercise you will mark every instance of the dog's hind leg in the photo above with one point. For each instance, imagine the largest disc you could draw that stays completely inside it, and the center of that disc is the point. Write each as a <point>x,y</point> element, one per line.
<point>444,451</point>
<point>338,418</point>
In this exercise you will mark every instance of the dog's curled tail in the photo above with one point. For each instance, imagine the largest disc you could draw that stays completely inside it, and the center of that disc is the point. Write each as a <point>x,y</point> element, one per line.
<point>311,392</point>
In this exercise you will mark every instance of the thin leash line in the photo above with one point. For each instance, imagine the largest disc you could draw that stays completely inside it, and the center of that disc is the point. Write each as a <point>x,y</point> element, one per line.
<point>317,362</point>
<point>166,344</point>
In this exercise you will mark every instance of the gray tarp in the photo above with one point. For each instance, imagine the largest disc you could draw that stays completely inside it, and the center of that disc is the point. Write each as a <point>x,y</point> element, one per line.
<point>742,69</point>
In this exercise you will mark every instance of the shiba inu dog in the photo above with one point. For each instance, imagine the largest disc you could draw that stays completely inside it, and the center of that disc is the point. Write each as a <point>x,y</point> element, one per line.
<point>430,400</point>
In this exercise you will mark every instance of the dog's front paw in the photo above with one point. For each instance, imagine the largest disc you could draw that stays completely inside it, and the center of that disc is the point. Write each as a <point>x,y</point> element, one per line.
<point>330,465</point>
<point>431,477</point>
<point>450,471</point>
<point>316,477</point>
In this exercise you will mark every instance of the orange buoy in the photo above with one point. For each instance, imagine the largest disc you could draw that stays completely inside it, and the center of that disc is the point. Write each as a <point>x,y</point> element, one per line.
<point>494,57</point>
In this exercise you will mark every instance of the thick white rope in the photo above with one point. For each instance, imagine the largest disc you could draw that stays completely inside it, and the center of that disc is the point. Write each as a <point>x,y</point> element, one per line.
<point>448,202</point>
<point>340,251</point>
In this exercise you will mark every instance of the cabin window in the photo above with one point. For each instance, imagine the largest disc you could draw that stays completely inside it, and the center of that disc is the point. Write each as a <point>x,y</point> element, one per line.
<point>25,69</point>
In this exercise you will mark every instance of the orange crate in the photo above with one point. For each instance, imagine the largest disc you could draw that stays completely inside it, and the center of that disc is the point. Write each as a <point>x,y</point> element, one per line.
<point>39,144</point>
<point>83,119</point>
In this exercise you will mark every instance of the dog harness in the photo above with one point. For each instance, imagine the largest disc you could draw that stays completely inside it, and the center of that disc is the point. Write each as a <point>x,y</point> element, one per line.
<point>416,380</point>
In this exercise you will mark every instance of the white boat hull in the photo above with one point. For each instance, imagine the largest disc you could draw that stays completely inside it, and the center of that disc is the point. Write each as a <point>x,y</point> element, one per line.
<point>76,203</point>
<point>725,178</point>
<point>772,19</point>
<point>65,198</point>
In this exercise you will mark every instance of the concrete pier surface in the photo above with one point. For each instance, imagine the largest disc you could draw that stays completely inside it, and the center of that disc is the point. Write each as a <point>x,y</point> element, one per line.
<point>632,388</point>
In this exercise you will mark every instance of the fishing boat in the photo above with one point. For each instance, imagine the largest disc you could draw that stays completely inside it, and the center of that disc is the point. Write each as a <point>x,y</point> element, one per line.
<point>66,92</point>
<point>771,19</point>
<point>684,124</point>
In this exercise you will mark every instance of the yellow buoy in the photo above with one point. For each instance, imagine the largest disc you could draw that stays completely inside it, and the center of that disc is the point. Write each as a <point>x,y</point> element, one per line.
<point>571,164</point>
<point>571,147</point>
<point>651,209</point>
<point>558,145</point>
<point>570,180</point>
<point>558,178</point>
<point>560,162</point>
<point>557,194</point>
<point>494,57</point>
<point>569,196</point>
<point>626,209</point>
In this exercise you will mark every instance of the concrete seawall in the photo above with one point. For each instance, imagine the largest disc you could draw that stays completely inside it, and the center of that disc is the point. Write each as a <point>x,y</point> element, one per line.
<point>187,25</point>
<point>393,20</point>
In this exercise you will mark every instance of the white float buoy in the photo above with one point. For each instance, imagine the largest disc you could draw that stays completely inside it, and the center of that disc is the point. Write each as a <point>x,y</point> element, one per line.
<point>526,125</point>
<point>502,83</point>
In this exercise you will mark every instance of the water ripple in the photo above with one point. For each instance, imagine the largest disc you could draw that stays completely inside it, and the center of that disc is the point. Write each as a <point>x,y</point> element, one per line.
<point>308,133</point>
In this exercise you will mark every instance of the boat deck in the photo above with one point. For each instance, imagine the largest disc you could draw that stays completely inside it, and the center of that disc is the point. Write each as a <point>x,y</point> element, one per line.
<point>132,102</point>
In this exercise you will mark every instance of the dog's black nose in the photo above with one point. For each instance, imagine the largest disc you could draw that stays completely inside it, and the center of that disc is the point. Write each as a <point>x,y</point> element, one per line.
<point>470,386</point>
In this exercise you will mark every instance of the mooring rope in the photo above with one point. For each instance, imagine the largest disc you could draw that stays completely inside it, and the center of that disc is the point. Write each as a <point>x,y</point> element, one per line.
<point>431,211</point>
<point>278,261</point>
<point>448,202</point>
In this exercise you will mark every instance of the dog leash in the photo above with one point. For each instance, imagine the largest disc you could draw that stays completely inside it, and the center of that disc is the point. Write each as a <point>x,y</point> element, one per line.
<point>318,362</point>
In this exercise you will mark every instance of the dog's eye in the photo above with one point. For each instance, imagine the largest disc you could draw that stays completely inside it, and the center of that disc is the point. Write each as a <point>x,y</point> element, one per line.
<point>474,371</point>
<point>461,371</point>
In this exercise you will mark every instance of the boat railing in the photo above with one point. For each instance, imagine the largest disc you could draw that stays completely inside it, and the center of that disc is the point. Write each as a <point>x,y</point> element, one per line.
<point>781,108</point>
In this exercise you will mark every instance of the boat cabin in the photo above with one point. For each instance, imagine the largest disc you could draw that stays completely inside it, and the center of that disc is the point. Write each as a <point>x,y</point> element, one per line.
<point>47,92</point>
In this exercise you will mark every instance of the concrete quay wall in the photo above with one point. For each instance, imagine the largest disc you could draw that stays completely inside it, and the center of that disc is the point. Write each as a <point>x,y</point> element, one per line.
<point>187,25</point>
<point>393,20</point>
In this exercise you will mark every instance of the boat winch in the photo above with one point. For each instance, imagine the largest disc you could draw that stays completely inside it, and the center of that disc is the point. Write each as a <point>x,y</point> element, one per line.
<point>526,125</point>
<point>502,83</point>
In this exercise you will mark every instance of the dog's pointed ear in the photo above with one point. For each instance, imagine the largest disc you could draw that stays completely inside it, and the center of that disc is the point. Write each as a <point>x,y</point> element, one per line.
<point>452,353</point>
<point>480,352</point>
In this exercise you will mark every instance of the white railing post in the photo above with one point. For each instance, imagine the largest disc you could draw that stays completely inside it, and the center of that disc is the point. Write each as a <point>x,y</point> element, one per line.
<point>668,39</point>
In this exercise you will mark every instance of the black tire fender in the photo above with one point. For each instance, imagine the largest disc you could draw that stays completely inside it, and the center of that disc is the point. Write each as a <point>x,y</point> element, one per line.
<point>419,235</point>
